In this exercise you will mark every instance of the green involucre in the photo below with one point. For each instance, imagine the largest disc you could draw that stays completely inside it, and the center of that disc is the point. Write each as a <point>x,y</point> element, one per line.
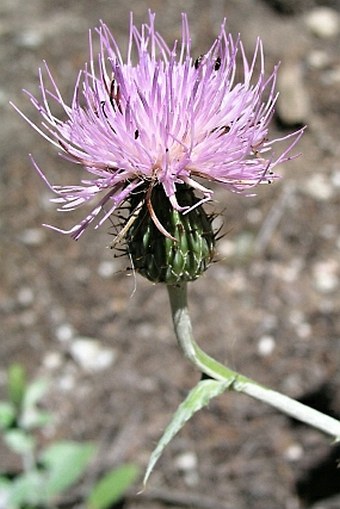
<point>158,257</point>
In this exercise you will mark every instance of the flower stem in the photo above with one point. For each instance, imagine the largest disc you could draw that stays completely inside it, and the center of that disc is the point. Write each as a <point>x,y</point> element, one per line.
<point>238,382</point>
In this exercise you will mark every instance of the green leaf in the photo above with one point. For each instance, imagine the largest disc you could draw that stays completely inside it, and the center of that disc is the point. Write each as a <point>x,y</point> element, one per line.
<point>19,441</point>
<point>111,488</point>
<point>4,482</point>
<point>7,414</point>
<point>5,488</point>
<point>65,462</point>
<point>27,490</point>
<point>197,398</point>
<point>16,384</point>
<point>33,417</point>
<point>34,392</point>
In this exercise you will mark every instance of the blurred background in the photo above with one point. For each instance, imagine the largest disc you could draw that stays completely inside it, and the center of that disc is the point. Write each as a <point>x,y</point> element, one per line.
<point>269,308</point>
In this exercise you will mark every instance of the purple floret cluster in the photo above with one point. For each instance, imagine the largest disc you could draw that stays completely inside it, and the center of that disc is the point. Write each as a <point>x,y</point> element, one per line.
<point>161,116</point>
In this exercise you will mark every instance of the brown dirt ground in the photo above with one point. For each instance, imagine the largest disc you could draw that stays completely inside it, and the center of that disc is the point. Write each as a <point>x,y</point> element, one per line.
<point>248,456</point>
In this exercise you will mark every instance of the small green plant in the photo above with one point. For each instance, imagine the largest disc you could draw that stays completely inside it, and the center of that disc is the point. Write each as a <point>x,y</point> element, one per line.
<point>47,472</point>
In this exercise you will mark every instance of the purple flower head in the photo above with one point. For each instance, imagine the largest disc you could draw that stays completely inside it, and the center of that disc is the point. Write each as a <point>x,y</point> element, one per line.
<point>162,117</point>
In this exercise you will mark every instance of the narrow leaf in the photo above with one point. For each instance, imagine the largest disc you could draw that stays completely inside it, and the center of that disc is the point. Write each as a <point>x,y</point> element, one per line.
<point>65,462</point>
<point>5,489</point>
<point>35,418</point>
<point>27,490</point>
<point>16,384</point>
<point>7,414</point>
<point>32,416</point>
<point>197,398</point>
<point>111,488</point>
<point>19,441</point>
<point>34,392</point>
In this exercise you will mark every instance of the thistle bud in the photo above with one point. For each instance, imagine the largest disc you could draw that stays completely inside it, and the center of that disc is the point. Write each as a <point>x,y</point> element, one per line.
<point>181,249</point>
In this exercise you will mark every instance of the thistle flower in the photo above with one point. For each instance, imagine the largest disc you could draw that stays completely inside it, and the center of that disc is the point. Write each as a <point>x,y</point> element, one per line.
<point>162,121</point>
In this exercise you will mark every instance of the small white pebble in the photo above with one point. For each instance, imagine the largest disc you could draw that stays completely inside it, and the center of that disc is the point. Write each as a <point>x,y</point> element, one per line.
<point>187,464</point>
<point>318,59</point>
<point>335,178</point>
<point>91,355</point>
<point>294,452</point>
<point>325,276</point>
<point>186,461</point>
<point>323,22</point>
<point>64,332</point>
<point>107,269</point>
<point>266,346</point>
<point>296,317</point>
<point>289,273</point>
<point>25,296</point>
<point>326,282</point>
<point>33,236</point>
<point>30,39</point>
<point>52,360</point>
<point>319,186</point>
<point>226,248</point>
<point>304,330</point>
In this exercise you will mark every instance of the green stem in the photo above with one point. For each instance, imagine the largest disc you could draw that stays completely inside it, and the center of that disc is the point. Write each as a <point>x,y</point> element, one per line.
<point>236,381</point>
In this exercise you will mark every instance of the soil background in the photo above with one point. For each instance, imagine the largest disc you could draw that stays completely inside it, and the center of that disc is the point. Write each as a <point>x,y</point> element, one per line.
<point>269,308</point>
